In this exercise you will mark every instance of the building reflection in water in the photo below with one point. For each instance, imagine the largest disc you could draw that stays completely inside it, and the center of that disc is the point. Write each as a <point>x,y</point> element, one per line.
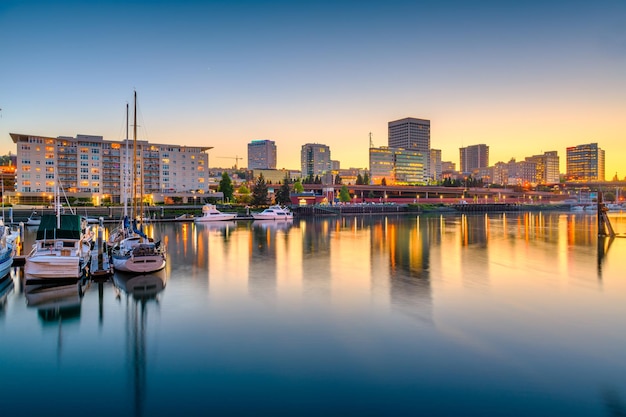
<point>316,270</point>
<point>408,244</point>
<point>333,259</point>
<point>140,291</point>
<point>265,238</point>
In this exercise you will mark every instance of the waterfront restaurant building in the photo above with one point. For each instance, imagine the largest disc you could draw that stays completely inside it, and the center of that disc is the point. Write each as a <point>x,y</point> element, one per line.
<point>100,170</point>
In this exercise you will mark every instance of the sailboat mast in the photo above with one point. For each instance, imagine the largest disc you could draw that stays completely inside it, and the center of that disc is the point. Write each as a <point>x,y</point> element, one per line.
<point>126,170</point>
<point>135,159</point>
<point>57,201</point>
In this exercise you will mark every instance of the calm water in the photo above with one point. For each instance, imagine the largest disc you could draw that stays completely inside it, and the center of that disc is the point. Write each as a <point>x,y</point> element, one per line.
<point>516,314</point>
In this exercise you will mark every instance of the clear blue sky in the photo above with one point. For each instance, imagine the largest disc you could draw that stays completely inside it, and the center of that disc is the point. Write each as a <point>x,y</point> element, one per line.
<point>522,77</point>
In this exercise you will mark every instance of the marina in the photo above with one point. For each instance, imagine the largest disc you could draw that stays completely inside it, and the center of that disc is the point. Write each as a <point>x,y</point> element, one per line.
<point>387,314</point>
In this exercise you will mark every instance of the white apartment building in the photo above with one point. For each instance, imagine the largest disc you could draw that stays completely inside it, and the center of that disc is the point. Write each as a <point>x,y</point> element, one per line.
<point>90,167</point>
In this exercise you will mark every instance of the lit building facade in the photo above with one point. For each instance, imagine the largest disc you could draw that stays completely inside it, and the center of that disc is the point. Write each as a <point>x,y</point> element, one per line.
<point>435,166</point>
<point>473,157</point>
<point>90,167</point>
<point>411,134</point>
<point>397,166</point>
<point>381,164</point>
<point>523,173</point>
<point>585,163</point>
<point>315,160</point>
<point>547,167</point>
<point>262,154</point>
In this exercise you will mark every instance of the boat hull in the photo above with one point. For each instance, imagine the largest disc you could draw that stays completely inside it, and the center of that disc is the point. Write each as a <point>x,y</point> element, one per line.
<point>51,267</point>
<point>215,218</point>
<point>139,264</point>
<point>271,217</point>
<point>5,266</point>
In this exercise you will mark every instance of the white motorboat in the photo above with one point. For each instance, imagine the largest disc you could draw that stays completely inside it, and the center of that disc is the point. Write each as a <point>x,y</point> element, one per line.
<point>275,212</point>
<point>210,213</point>
<point>62,249</point>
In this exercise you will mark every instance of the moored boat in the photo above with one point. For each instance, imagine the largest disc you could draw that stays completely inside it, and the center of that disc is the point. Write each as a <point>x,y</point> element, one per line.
<point>9,239</point>
<point>210,213</point>
<point>274,212</point>
<point>134,251</point>
<point>62,249</point>
<point>33,220</point>
<point>137,254</point>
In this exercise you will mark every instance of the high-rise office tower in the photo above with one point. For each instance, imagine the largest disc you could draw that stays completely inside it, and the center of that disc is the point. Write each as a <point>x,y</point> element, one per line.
<point>411,134</point>
<point>262,154</point>
<point>473,157</point>
<point>585,163</point>
<point>315,160</point>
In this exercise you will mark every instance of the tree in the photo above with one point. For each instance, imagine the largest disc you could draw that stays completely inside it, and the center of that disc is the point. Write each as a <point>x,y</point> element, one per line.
<point>366,178</point>
<point>609,196</point>
<point>359,179</point>
<point>383,182</point>
<point>298,187</point>
<point>226,187</point>
<point>344,194</point>
<point>283,193</point>
<point>259,192</point>
<point>337,179</point>
<point>243,194</point>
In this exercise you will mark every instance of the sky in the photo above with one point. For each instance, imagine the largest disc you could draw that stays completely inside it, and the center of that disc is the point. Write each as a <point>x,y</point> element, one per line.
<point>522,77</point>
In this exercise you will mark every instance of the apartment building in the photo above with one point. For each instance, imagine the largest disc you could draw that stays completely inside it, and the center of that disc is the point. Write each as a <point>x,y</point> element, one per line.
<point>88,166</point>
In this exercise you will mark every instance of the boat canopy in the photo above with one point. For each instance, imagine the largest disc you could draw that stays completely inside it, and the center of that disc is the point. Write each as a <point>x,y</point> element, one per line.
<point>71,227</point>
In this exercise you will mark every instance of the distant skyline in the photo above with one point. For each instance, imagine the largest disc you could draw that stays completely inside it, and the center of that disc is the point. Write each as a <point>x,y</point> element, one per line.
<point>523,78</point>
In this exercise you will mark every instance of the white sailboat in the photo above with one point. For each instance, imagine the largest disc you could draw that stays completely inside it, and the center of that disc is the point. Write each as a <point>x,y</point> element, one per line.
<point>135,252</point>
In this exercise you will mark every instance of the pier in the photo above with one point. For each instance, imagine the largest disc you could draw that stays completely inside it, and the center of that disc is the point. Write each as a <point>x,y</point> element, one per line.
<point>488,207</point>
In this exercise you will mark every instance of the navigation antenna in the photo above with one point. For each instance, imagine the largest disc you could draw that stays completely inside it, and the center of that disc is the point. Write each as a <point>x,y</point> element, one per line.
<point>371,141</point>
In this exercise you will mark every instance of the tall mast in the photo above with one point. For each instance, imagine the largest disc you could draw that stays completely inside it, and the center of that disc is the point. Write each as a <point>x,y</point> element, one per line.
<point>126,170</point>
<point>135,159</point>
<point>140,172</point>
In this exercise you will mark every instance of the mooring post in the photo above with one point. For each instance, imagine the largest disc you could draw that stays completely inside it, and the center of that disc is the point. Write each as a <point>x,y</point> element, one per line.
<point>604,224</point>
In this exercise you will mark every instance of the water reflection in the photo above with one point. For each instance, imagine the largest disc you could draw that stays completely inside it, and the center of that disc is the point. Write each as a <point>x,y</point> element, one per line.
<point>137,292</point>
<point>360,313</point>
<point>263,267</point>
<point>56,302</point>
<point>6,287</point>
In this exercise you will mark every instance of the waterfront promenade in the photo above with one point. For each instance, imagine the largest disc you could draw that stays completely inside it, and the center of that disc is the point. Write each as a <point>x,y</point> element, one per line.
<point>189,212</point>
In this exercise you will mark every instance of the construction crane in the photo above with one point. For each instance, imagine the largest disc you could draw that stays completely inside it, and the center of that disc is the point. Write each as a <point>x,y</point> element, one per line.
<point>236,158</point>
